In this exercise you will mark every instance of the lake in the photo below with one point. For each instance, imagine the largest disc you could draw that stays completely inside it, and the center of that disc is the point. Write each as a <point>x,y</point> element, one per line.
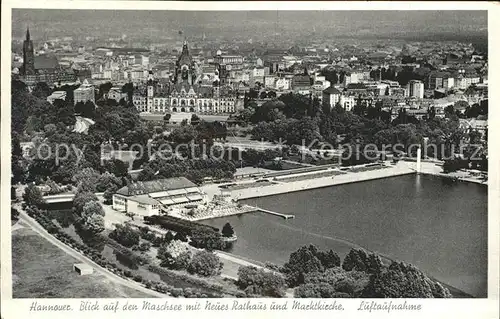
<point>439,226</point>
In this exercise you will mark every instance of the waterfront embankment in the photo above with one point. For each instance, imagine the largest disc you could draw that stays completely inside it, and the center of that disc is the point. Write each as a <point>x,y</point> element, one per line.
<point>280,187</point>
<point>436,169</point>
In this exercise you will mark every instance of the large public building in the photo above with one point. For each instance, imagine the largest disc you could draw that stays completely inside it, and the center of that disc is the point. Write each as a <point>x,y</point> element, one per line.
<point>189,91</point>
<point>42,68</point>
<point>158,196</point>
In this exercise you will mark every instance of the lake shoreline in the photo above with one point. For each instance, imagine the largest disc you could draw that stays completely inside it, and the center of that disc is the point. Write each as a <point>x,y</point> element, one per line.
<point>279,188</point>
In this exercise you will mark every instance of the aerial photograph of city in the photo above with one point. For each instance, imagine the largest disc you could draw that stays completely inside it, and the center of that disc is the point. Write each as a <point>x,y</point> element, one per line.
<point>249,154</point>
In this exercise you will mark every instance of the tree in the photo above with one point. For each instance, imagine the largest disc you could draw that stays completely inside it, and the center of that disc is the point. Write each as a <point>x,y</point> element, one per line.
<point>180,236</point>
<point>82,198</point>
<point>41,90</point>
<point>227,230</point>
<point>145,246</point>
<point>116,167</point>
<point>167,117</point>
<point>205,263</point>
<point>331,283</point>
<point>104,89</point>
<point>174,254</point>
<point>129,89</point>
<point>301,262</point>
<point>402,280</point>
<point>359,260</point>
<point>260,282</point>
<point>33,196</point>
<point>86,179</point>
<point>195,119</point>
<point>88,109</point>
<point>108,181</point>
<point>93,207</point>
<point>207,238</point>
<point>125,235</point>
<point>91,222</point>
<point>14,214</point>
<point>108,194</point>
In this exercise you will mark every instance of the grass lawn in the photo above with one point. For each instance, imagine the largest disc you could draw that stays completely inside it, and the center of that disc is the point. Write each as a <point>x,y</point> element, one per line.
<point>41,270</point>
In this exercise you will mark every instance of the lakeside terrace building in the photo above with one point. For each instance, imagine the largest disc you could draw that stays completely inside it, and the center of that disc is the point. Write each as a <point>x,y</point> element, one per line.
<point>188,92</point>
<point>154,197</point>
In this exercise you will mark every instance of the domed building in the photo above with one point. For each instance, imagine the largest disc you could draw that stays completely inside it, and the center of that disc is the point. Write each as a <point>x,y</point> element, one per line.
<point>189,91</point>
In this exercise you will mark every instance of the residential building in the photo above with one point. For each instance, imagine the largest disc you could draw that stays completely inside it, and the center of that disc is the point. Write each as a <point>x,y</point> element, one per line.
<point>331,96</point>
<point>415,88</point>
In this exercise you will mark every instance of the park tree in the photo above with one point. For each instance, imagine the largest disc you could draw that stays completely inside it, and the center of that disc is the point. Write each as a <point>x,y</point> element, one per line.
<point>301,262</point>
<point>328,258</point>
<point>86,179</point>
<point>195,119</point>
<point>333,283</point>
<point>93,207</point>
<point>260,282</point>
<point>402,280</point>
<point>245,115</point>
<point>207,238</point>
<point>108,194</point>
<point>33,196</point>
<point>116,167</point>
<point>104,89</point>
<point>227,230</point>
<point>108,181</point>
<point>174,254</point>
<point>169,236</point>
<point>181,236</point>
<point>167,117</point>
<point>88,109</point>
<point>82,198</point>
<point>92,223</point>
<point>129,89</point>
<point>205,264</point>
<point>359,260</point>
<point>125,235</point>
<point>14,214</point>
<point>41,90</point>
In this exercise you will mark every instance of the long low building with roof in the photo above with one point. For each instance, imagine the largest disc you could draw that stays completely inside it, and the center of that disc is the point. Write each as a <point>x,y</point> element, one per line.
<point>153,197</point>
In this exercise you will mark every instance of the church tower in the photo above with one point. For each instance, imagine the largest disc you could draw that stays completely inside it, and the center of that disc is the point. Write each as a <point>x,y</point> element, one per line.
<point>184,68</point>
<point>28,55</point>
<point>150,91</point>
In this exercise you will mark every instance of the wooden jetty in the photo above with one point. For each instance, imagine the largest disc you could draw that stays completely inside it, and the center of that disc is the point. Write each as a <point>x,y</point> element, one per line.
<point>285,216</point>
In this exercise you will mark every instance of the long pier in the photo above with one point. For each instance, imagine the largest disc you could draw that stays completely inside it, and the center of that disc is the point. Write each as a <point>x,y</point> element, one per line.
<point>285,216</point>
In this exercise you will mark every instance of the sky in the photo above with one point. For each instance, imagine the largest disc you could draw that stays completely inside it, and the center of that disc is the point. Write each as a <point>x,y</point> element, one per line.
<point>248,23</point>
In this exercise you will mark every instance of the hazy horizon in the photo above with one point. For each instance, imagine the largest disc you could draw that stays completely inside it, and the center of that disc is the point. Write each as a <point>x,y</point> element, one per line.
<point>400,24</point>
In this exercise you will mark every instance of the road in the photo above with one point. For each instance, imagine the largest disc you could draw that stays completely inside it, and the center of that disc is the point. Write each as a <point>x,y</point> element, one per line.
<point>80,257</point>
<point>237,260</point>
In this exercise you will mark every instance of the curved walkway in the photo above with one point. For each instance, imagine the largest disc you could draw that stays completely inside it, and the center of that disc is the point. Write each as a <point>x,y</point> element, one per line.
<point>82,258</point>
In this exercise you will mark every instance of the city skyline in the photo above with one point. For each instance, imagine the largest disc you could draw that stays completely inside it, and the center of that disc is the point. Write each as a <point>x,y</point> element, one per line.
<point>399,24</point>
